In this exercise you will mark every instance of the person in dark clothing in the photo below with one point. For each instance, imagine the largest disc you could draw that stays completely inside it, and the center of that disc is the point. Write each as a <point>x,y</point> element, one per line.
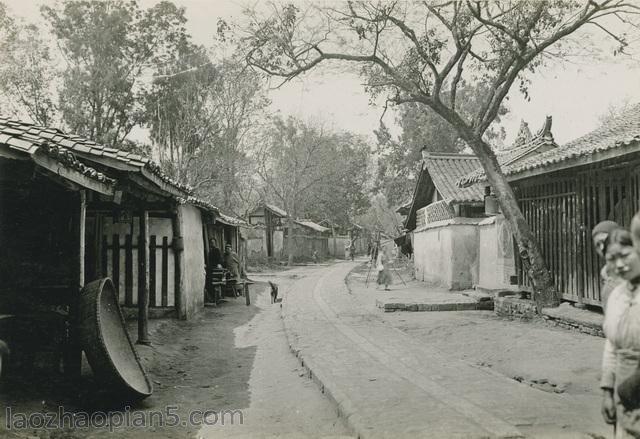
<point>215,255</point>
<point>214,261</point>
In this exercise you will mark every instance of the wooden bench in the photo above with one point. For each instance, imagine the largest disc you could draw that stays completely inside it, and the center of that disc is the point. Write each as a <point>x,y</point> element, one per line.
<point>217,281</point>
<point>220,283</point>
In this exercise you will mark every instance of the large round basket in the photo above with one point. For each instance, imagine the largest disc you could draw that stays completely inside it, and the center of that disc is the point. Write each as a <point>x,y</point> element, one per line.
<point>107,345</point>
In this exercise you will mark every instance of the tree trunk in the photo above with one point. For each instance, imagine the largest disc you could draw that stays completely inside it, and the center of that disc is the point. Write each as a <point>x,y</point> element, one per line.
<point>544,292</point>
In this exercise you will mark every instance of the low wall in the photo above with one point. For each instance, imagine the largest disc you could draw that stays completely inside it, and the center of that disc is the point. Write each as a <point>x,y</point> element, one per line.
<point>446,253</point>
<point>496,254</point>
<point>256,243</point>
<point>304,246</point>
<point>337,250</point>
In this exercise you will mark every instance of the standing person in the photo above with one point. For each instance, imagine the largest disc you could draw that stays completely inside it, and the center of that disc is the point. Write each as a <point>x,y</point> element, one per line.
<point>608,277</point>
<point>215,256</point>
<point>621,327</point>
<point>232,264</point>
<point>382,265</point>
<point>214,261</point>
<point>352,250</point>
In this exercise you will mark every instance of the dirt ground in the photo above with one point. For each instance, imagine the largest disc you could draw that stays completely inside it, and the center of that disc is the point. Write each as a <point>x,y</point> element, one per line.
<point>231,357</point>
<point>548,358</point>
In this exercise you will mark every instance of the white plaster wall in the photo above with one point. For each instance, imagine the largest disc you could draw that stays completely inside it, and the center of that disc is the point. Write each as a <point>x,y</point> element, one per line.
<point>446,253</point>
<point>432,248</point>
<point>340,243</point>
<point>194,269</point>
<point>464,256</point>
<point>160,227</point>
<point>278,243</point>
<point>496,256</point>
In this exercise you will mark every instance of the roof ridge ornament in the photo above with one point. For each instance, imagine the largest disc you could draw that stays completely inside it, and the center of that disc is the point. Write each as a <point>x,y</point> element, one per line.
<point>523,137</point>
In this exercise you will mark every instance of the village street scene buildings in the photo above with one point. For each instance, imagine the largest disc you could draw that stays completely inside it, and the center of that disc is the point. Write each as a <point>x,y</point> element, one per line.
<point>311,220</point>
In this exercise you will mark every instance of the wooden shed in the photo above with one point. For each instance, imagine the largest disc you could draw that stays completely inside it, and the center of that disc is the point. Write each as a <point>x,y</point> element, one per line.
<point>74,211</point>
<point>272,218</point>
<point>308,237</point>
<point>564,191</point>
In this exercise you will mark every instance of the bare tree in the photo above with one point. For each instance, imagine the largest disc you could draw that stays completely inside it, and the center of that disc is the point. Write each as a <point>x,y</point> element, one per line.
<point>27,72</point>
<point>423,51</point>
<point>304,166</point>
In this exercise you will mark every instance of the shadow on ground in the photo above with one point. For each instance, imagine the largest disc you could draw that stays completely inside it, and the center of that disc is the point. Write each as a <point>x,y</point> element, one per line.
<point>194,365</point>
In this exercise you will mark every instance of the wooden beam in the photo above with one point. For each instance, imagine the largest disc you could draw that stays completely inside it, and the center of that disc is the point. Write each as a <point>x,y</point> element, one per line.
<point>12,154</point>
<point>43,160</point>
<point>622,153</point>
<point>73,354</point>
<point>106,161</point>
<point>164,186</point>
<point>143,279</point>
<point>147,181</point>
<point>129,204</point>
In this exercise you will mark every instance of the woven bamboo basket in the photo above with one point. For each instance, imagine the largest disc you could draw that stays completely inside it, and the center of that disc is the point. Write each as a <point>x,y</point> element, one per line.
<point>107,345</point>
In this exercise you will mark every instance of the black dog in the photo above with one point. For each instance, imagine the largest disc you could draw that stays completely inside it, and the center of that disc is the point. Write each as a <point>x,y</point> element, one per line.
<point>274,292</point>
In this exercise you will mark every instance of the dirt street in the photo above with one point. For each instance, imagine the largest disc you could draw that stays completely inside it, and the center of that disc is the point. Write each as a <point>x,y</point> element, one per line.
<point>548,358</point>
<point>230,358</point>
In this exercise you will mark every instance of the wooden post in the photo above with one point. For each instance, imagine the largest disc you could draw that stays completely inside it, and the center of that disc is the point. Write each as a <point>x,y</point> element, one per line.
<point>207,275</point>
<point>178,267</point>
<point>73,355</point>
<point>97,236</point>
<point>143,279</point>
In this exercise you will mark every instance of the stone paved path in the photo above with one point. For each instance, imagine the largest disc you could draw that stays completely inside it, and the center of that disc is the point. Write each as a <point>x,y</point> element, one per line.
<point>387,384</point>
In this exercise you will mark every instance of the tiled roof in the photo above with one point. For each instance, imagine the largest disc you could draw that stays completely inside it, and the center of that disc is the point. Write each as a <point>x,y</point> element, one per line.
<point>276,210</point>
<point>14,137</point>
<point>199,202</point>
<point>230,220</point>
<point>446,169</point>
<point>541,142</point>
<point>617,133</point>
<point>310,224</point>
<point>24,134</point>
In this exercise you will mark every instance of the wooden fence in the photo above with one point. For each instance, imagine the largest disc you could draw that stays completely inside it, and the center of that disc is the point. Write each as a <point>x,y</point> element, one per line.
<point>119,251</point>
<point>563,209</point>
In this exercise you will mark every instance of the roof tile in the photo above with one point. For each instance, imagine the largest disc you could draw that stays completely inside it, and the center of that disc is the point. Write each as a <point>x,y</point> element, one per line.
<point>57,138</point>
<point>446,169</point>
<point>20,143</point>
<point>617,133</point>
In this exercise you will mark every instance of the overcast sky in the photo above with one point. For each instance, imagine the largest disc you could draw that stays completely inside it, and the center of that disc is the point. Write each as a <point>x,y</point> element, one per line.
<point>575,95</point>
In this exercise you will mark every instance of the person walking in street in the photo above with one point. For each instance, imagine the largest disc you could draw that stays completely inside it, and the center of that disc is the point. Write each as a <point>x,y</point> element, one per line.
<point>621,327</point>
<point>352,250</point>
<point>608,277</point>
<point>382,266</point>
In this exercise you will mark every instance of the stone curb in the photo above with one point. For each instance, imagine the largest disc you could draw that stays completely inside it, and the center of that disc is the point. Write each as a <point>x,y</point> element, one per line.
<point>332,391</point>
<point>452,306</point>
